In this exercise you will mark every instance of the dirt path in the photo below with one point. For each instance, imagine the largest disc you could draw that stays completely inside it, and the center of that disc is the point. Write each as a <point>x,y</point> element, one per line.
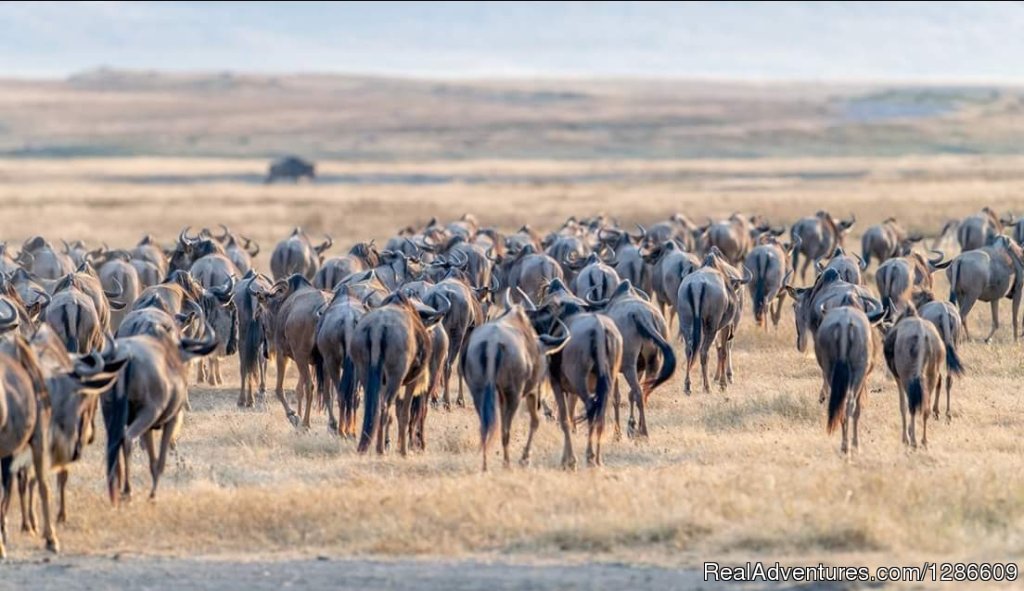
<point>100,574</point>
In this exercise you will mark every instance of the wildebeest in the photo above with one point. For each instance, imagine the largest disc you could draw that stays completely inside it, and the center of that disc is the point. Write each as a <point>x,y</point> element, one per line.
<point>40,258</point>
<point>769,268</point>
<point>669,264</point>
<point>25,414</point>
<point>73,316</point>
<point>150,395</point>
<point>594,278</point>
<point>253,330</point>
<point>529,271</point>
<point>975,231</point>
<point>297,254</point>
<point>946,318</point>
<point>648,360</point>
<point>505,361</point>
<point>74,387</point>
<point>845,350</point>
<point>810,304</point>
<point>989,274</point>
<point>391,351</point>
<point>849,266</point>
<point>885,241</point>
<point>899,277</point>
<point>152,262</point>
<point>914,352</point>
<point>117,273</point>
<point>292,168</point>
<point>293,305</point>
<point>629,256</point>
<point>819,235</point>
<point>7,263</point>
<point>736,236</point>
<point>1016,226</point>
<point>171,294</point>
<point>335,370</point>
<point>584,370</point>
<point>360,257</point>
<point>678,228</point>
<point>709,304</point>
<point>220,312</point>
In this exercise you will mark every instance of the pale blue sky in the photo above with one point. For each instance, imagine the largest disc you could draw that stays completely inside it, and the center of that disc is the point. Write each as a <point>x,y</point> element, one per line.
<point>830,41</point>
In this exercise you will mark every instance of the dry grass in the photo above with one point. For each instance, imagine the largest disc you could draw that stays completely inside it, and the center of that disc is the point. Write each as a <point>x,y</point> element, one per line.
<point>749,472</point>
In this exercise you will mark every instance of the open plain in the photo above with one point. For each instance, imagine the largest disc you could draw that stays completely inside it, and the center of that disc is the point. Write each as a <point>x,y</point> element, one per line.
<point>749,473</point>
<point>746,473</point>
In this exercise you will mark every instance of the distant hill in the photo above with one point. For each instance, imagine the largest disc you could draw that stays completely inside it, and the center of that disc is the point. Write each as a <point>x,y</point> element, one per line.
<point>116,112</point>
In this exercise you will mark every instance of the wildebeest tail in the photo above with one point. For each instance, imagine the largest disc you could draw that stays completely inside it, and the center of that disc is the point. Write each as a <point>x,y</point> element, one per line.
<point>761,287</point>
<point>668,367</point>
<point>839,385</point>
<point>114,405</point>
<point>320,376</point>
<point>953,363</point>
<point>371,405</point>
<point>915,394</point>
<point>250,348</point>
<point>70,332</point>
<point>693,343</point>
<point>599,349</point>
<point>488,410</point>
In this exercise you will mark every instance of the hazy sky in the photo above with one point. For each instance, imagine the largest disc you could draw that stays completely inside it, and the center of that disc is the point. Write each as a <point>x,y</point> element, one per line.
<point>893,41</point>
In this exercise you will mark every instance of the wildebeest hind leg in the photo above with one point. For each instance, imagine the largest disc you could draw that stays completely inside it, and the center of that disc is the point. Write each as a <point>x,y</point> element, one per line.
<point>995,320</point>
<point>533,407</point>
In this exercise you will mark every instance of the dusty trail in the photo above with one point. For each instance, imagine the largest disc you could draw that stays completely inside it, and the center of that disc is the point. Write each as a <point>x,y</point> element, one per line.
<point>366,575</point>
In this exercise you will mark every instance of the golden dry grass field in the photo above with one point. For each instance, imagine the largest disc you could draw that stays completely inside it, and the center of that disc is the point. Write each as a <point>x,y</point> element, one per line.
<point>744,473</point>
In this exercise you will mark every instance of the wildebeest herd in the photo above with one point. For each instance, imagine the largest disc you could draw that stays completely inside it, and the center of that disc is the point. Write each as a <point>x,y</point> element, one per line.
<point>546,320</point>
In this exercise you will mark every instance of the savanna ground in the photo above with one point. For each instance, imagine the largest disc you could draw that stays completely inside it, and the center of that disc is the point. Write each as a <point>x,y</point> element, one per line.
<point>746,473</point>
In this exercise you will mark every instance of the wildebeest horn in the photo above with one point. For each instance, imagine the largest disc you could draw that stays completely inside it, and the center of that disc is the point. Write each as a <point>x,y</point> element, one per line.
<point>184,238</point>
<point>89,365</point>
<point>41,296</point>
<point>226,233</point>
<point>643,233</point>
<point>526,299</point>
<point>445,306</point>
<point>748,276</point>
<point>872,307</point>
<point>508,299</point>
<point>553,343</point>
<point>326,244</point>
<point>8,320</point>
<point>592,301</point>
<point>936,263</point>
<point>253,248</point>
<point>223,292</point>
<point>67,247</point>
<point>861,262</point>
<point>113,295</point>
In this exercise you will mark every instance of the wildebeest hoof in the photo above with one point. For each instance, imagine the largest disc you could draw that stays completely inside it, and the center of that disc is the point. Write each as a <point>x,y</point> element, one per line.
<point>524,461</point>
<point>569,464</point>
<point>53,546</point>
<point>332,427</point>
<point>293,418</point>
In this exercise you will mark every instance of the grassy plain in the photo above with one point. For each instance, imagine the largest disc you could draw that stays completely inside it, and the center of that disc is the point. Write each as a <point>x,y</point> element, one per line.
<point>744,473</point>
